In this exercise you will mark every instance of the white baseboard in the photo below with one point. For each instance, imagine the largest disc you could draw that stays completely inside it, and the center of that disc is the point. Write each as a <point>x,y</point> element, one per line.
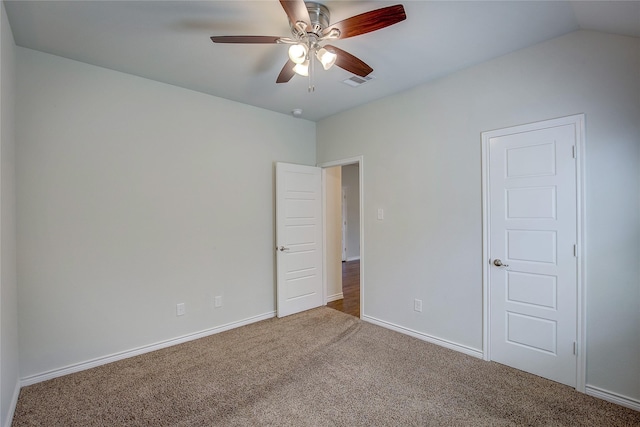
<point>12,405</point>
<point>353,258</point>
<point>334,297</point>
<point>77,367</point>
<point>613,397</point>
<point>425,337</point>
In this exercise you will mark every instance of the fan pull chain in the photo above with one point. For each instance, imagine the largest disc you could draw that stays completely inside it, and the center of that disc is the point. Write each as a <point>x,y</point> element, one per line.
<point>311,88</point>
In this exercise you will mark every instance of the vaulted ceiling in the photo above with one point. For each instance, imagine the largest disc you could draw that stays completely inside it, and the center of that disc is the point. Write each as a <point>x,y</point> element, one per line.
<point>169,41</point>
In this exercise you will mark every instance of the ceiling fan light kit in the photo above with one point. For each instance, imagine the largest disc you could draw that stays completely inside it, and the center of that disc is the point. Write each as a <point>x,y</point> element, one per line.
<point>310,28</point>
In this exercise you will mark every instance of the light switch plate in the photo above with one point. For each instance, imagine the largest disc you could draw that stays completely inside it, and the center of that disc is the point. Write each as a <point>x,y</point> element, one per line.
<point>180,309</point>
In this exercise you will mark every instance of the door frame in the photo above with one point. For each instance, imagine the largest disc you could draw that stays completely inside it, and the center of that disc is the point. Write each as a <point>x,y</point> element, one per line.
<point>359,160</point>
<point>343,221</point>
<point>578,121</point>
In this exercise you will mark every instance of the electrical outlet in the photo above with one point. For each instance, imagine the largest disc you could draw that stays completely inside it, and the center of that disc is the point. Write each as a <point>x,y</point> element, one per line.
<point>217,301</point>
<point>180,309</point>
<point>417,305</point>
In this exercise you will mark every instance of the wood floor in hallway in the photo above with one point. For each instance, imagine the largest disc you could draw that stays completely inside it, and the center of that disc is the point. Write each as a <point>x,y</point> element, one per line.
<point>350,303</point>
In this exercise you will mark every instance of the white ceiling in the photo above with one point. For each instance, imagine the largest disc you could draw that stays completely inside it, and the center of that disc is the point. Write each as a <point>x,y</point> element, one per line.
<point>168,41</point>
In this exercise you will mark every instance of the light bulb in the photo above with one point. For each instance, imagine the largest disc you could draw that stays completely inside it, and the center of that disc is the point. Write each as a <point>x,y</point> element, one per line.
<point>302,69</point>
<point>298,53</point>
<point>326,58</point>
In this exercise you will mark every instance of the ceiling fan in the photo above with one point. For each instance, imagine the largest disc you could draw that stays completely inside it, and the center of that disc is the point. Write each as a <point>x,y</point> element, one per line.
<point>310,28</point>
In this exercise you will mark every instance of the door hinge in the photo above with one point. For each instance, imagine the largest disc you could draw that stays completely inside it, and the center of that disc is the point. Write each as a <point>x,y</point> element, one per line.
<point>573,151</point>
<point>575,348</point>
<point>575,250</point>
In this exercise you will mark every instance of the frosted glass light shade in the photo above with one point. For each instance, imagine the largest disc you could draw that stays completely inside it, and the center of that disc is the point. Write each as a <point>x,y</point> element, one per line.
<point>302,69</point>
<point>298,53</point>
<point>326,58</point>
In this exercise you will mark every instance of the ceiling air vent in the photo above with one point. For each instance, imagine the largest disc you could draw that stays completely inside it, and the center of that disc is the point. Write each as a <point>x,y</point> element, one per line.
<point>356,81</point>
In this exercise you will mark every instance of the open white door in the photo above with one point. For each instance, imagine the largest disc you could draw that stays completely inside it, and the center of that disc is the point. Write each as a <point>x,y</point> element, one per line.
<point>299,238</point>
<point>533,248</point>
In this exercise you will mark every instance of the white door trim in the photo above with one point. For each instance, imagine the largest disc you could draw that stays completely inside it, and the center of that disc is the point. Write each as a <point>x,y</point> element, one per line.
<point>578,121</point>
<point>344,162</point>
<point>343,224</point>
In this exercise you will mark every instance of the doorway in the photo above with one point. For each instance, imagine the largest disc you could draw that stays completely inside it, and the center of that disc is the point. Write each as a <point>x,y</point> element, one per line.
<point>343,195</point>
<point>532,261</point>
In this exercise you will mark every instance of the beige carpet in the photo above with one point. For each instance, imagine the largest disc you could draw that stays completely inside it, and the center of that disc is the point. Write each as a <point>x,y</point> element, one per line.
<point>318,368</point>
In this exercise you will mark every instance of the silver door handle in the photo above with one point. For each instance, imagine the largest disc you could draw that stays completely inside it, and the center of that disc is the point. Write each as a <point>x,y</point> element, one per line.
<point>499,263</point>
<point>281,249</point>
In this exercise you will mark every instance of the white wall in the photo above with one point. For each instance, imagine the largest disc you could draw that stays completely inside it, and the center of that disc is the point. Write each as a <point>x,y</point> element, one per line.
<point>8,283</point>
<point>134,196</point>
<point>351,181</point>
<point>422,151</point>
<point>333,232</point>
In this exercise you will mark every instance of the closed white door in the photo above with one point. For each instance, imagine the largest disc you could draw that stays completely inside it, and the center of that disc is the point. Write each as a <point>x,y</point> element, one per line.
<point>299,238</point>
<point>532,274</point>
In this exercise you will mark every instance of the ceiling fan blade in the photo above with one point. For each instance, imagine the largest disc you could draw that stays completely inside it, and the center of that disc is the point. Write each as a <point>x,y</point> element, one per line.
<point>287,72</point>
<point>348,62</point>
<point>297,11</point>
<point>245,39</point>
<point>369,21</point>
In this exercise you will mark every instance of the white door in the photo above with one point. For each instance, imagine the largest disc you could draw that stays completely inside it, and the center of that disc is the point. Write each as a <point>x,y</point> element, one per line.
<point>299,238</point>
<point>532,232</point>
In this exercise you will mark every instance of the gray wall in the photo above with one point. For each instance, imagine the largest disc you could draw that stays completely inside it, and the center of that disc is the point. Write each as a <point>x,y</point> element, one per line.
<point>422,165</point>
<point>8,282</point>
<point>134,196</point>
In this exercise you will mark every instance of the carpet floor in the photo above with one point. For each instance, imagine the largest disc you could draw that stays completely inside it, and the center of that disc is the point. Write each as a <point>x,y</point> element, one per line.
<point>317,368</point>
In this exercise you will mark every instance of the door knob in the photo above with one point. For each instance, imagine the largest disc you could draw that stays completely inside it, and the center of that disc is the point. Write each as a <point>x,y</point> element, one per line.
<point>499,263</point>
<point>281,249</point>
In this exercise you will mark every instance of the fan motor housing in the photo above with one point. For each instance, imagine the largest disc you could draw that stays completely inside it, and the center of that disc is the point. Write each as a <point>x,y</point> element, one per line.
<point>319,16</point>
